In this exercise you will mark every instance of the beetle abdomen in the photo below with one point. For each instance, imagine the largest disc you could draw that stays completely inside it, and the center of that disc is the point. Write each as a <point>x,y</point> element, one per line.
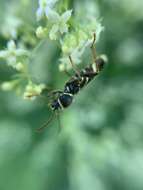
<point>65,99</point>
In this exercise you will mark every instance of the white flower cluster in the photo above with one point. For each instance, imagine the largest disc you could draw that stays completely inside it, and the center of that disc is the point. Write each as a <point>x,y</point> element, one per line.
<point>75,43</point>
<point>15,58</point>
<point>57,24</point>
<point>14,55</point>
<point>33,90</point>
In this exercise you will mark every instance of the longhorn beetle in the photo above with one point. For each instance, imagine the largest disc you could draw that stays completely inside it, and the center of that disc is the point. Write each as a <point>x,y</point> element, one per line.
<point>80,79</point>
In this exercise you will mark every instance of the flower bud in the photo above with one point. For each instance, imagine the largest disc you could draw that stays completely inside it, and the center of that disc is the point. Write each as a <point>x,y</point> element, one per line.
<point>19,66</point>
<point>41,32</point>
<point>6,86</point>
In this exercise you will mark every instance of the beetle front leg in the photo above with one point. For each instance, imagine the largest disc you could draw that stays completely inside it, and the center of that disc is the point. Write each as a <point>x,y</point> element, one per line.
<point>93,50</point>
<point>74,67</point>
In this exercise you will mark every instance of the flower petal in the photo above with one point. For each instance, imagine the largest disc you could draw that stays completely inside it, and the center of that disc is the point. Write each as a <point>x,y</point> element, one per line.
<point>53,32</point>
<point>63,28</point>
<point>99,29</point>
<point>53,16</point>
<point>11,45</point>
<point>51,3</point>
<point>66,15</point>
<point>39,13</point>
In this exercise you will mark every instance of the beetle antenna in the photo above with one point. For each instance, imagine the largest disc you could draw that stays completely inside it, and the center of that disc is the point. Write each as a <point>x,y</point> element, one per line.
<point>47,123</point>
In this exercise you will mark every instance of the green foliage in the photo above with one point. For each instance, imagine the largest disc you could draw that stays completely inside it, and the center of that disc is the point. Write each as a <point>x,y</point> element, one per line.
<point>100,143</point>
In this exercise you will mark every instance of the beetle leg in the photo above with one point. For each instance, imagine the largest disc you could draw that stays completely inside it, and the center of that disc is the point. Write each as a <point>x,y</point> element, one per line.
<point>74,67</point>
<point>94,52</point>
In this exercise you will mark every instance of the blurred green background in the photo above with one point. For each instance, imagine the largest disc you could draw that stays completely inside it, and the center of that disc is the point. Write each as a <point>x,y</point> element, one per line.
<point>100,145</point>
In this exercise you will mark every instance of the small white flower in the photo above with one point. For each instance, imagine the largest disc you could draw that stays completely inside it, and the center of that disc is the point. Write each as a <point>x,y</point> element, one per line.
<point>43,5</point>
<point>12,53</point>
<point>32,90</point>
<point>59,22</point>
<point>11,48</point>
<point>11,23</point>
